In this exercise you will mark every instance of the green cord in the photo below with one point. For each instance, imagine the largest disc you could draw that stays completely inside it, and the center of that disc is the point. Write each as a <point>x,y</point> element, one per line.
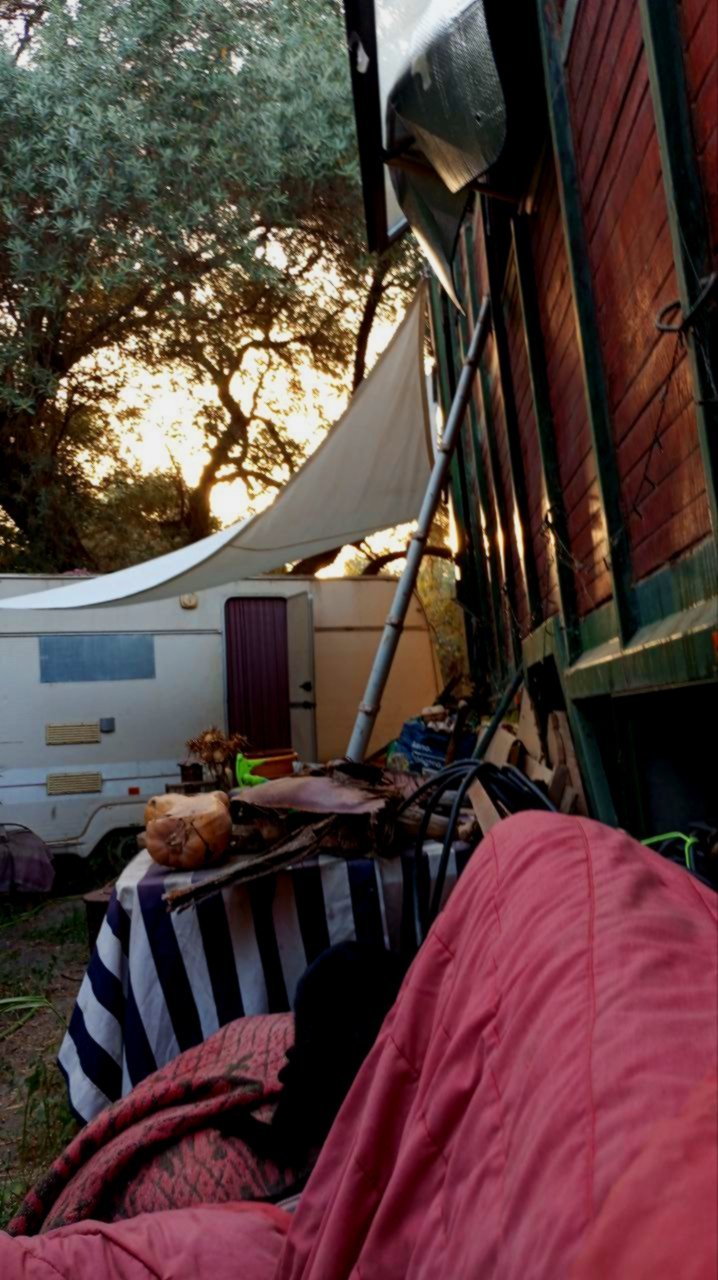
<point>689,843</point>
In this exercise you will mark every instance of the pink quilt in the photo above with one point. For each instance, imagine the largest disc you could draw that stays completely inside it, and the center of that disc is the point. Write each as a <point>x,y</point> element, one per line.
<point>541,1101</point>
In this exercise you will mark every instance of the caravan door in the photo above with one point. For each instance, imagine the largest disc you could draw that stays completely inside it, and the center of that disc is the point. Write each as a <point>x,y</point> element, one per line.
<point>270,671</point>
<point>302,689</point>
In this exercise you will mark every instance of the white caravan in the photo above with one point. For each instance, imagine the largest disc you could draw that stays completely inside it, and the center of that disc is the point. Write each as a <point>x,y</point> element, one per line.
<point>96,704</point>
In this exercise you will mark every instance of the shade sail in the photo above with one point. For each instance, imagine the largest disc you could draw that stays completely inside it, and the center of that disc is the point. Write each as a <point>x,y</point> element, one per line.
<point>369,473</point>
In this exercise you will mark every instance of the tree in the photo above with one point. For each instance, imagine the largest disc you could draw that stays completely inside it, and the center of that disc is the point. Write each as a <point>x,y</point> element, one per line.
<point>19,20</point>
<point>178,189</point>
<point>257,336</point>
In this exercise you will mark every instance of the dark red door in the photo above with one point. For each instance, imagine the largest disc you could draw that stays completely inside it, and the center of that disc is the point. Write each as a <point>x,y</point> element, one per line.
<point>258,671</point>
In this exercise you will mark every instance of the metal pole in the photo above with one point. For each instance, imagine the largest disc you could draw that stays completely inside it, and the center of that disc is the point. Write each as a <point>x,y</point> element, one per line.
<point>369,706</point>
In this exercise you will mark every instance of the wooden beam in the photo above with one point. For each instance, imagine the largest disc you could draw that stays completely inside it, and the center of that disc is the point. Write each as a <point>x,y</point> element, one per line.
<point>460,488</point>
<point>492,482</point>
<point>504,522</point>
<point>589,342</point>
<point>457,478</point>
<point>493,604</point>
<point>660,22</point>
<point>516,461</point>
<point>543,412</point>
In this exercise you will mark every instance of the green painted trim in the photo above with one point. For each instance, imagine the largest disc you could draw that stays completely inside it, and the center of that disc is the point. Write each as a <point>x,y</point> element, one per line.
<point>673,589</point>
<point>513,438</point>
<point>568,21</point>
<point>598,626</point>
<point>677,650</point>
<point>687,219</point>
<point>589,342</point>
<point>676,645</point>
<point>590,759</point>
<point>679,585</point>
<point>543,413</point>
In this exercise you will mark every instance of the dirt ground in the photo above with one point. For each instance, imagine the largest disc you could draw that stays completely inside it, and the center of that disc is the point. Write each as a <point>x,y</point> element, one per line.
<point>43,953</point>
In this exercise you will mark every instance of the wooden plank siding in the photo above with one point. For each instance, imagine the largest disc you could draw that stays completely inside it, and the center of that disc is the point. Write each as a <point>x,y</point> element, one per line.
<point>512,548</point>
<point>482,488</point>
<point>699,26</point>
<point>590,452</point>
<point>535,537</point>
<point>662,485</point>
<point>513,571</point>
<point>588,542</point>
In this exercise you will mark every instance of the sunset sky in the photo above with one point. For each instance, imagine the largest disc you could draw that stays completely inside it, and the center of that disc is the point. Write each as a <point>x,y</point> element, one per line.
<point>166,432</point>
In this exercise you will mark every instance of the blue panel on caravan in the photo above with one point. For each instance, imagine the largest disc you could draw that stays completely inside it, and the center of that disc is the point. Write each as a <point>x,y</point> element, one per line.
<point>72,659</point>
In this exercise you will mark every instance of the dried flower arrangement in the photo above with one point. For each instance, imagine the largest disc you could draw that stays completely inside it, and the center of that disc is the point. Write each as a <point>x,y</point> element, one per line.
<point>218,751</point>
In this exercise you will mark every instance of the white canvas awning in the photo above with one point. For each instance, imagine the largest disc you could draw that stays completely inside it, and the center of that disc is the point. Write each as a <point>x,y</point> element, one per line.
<point>369,473</point>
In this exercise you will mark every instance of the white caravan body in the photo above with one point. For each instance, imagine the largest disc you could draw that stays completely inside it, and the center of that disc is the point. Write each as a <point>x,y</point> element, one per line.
<point>96,705</point>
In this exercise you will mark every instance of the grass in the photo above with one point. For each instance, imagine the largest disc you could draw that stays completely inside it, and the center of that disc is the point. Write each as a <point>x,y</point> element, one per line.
<point>26,1007</point>
<point>38,945</point>
<point>43,954</point>
<point>70,928</point>
<point>47,1126</point>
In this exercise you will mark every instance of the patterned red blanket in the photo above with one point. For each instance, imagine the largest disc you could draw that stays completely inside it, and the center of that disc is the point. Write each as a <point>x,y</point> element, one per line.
<point>160,1147</point>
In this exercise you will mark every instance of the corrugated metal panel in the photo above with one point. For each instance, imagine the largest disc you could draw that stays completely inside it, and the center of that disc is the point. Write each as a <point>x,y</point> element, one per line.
<point>73,784</point>
<point>60,735</point>
<point>258,671</point>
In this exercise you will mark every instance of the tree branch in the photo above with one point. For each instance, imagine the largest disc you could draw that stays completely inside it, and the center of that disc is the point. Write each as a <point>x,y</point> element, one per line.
<point>376,565</point>
<point>371,305</point>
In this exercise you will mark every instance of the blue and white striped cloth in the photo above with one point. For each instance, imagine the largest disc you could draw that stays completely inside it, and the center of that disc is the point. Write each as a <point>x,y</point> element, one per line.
<point>159,983</point>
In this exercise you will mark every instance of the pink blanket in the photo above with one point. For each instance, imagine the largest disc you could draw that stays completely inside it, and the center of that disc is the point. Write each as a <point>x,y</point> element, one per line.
<point>533,1106</point>
<point>563,1005</point>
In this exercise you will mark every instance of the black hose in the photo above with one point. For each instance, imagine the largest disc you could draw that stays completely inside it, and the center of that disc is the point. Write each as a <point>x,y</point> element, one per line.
<point>470,777</point>
<point>508,788</point>
<point>500,783</point>
<point>458,767</point>
<point>442,782</point>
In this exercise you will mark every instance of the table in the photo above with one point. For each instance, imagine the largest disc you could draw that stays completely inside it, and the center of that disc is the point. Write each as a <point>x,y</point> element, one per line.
<point>160,982</point>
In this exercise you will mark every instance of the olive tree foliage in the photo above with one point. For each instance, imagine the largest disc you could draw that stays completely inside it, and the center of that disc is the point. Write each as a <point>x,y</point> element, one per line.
<point>178,190</point>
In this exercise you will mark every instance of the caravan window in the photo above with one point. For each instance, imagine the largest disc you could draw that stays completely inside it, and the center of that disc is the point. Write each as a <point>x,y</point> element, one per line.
<point>70,659</point>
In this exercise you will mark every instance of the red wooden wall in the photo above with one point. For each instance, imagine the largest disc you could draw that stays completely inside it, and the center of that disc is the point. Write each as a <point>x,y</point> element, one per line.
<point>626,219</point>
<point>658,464</point>
<point>588,544</point>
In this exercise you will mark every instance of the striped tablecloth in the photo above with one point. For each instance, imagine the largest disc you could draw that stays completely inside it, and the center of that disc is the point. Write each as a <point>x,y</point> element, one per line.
<point>159,983</point>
